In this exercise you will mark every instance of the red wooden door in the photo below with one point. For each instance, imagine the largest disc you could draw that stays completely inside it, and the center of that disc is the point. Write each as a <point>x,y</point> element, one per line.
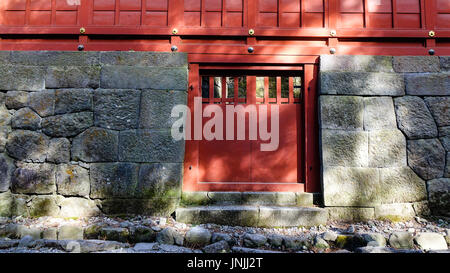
<point>236,160</point>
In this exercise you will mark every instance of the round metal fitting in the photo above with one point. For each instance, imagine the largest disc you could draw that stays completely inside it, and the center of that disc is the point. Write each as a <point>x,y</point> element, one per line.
<point>251,32</point>
<point>431,33</point>
<point>174,48</point>
<point>80,47</point>
<point>82,30</point>
<point>174,31</point>
<point>250,49</point>
<point>431,52</point>
<point>333,33</point>
<point>332,50</point>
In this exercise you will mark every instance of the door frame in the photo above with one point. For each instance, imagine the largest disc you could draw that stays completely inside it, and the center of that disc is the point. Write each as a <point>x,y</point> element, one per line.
<point>309,139</point>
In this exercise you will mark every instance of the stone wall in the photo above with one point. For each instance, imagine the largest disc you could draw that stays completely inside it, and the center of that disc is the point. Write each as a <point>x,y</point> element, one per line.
<point>88,132</point>
<point>385,129</point>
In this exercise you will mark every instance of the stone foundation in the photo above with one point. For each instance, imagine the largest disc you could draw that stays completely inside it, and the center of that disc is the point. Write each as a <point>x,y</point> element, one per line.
<point>88,132</point>
<point>384,130</point>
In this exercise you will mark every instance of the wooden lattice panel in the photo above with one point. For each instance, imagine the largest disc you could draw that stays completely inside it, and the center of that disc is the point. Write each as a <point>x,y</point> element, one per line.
<point>214,13</point>
<point>443,14</point>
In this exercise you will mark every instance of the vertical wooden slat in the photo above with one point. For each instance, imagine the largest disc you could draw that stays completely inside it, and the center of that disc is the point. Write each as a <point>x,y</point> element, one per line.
<point>117,13</point>
<point>27,12</point>
<point>251,89</point>
<point>366,13</point>
<point>266,90</point>
<point>143,10</point>
<point>394,14</point>
<point>291,90</point>
<point>278,90</point>
<point>236,89</point>
<point>224,13</point>
<point>278,13</point>
<point>176,13</point>
<point>202,13</point>
<point>211,89</point>
<point>252,11</point>
<point>302,12</point>
<point>224,89</point>
<point>53,16</point>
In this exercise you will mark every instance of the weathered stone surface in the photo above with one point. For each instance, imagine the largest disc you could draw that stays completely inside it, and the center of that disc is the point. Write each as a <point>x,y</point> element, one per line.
<point>195,198</point>
<point>27,145</point>
<point>401,240</point>
<point>351,186</point>
<point>439,195</point>
<point>26,78</point>
<point>142,234</point>
<point>113,180</point>
<point>166,236</point>
<point>116,109</point>
<point>304,199</point>
<point>444,137</point>
<point>291,216</point>
<point>254,240</point>
<point>427,84</point>
<point>16,99</point>
<point>135,77</point>
<point>320,243</point>
<point>416,64</point>
<point>142,58</point>
<point>269,198</point>
<point>5,116</point>
<point>225,215</point>
<point>115,234</point>
<point>218,237</point>
<point>219,247</point>
<point>26,119</point>
<point>341,112</point>
<point>422,208</point>
<point>350,214</point>
<point>198,236</point>
<point>295,242</point>
<point>237,249</point>
<point>440,109</point>
<point>96,145</point>
<point>362,83</point>
<point>162,180</point>
<point>153,207</point>
<point>70,232</point>
<point>414,119</point>
<point>380,250</point>
<point>379,113</point>
<point>430,241</point>
<point>225,198</point>
<point>73,100</point>
<point>54,58</point>
<point>150,146</point>
<point>42,205</point>
<point>78,207</point>
<point>329,236</point>
<point>445,63</point>
<point>395,212</point>
<point>377,239</point>
<point>50,233</point>
<point>4,132</point>
<point>6,170</point>
<point>426,157</point>
<point>344,148</point>
<point>72,77</point>
<point>34,178</point>
<point>387,148</point>
<point>42,102</point>
<point>447,166</point>
<point>19,205</point>
<point>72,180</point>
<point>67,125</point>
<point>156,108</point>
<point>5,204</point>
<point>58,150</point>
<point>400,185</point>
<point>364,63</point>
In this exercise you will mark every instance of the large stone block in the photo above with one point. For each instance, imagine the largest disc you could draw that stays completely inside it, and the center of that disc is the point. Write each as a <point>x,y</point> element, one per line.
<point>363,63</point>
<point>291,216</point>
<point>116,109</point>
<point>5,204</point>
<point>344,148</point>
<point>444,137</point>
<point>34,178</point>
<point>445,63</point>
<point>150,146</point>
<point>58,150</point>
<point>114,180</point>
<point>54,58</point>
<point>413,64</point>
<point>428,84</point>
<point>42,102</point>
<point>5,116</point>
<point>225,215</point>
<point>43,205</point>
<point>67,125</point>
<point>26,78</point>
<point>154,207</point>
<point>350,214</point>
<point>345,186</point>
<point>72,77</point>
<point>96,145</point>
<point>440,109</point>
<point>387,148</point>
<point>5,57</point>
<point>362,83</point>
<point>16,99</point>
<point>426,157</point>
<point>400,185</point>
<point>72,180</point>
<point>395,212</point>
<point>73,100</point>
<point>78,207</point>
<point>341,112</point>
<point>4,132</point>
<point>7,168</point>
<point>135,77</point>
<point>447,166</point>
<point>439,196</point>
<point>26,119</point>
<point>160,180</point>
<point>27,145</point>
<point>414,119</point>
<point>142,58</point>
<point>156,108</point>
<point>379,113</point>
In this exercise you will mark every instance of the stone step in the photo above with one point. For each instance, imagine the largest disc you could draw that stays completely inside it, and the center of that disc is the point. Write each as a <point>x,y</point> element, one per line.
<point>254,216</point>
<point>201,198</point>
